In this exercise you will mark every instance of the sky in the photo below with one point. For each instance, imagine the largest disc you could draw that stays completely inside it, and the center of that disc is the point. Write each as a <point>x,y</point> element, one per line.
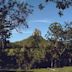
<point>41,19</point>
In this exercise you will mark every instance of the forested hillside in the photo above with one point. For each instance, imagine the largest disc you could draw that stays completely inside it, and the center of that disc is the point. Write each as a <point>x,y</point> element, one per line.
<point>29,42</point>
<point>52,51</point>
<point>36,52</point>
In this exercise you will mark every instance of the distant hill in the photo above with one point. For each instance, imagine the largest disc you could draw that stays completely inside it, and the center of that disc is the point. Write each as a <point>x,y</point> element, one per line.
<point>29,42</point>
<point>35,40</point>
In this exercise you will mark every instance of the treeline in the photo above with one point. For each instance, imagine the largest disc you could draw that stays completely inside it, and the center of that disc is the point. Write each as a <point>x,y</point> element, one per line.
<point>56,53</point>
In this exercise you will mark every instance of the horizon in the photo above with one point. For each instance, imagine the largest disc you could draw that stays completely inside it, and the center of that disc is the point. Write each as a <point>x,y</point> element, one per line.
<point>41,19</point>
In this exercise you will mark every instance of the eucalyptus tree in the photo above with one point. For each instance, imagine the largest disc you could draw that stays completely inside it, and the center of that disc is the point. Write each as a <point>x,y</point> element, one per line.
<point>13,14</point>
<point>54,36</point>
<point>60,39</point>
<point>36,37</point>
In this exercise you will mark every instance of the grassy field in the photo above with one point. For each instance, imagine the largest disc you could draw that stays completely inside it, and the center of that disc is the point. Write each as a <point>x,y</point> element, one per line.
<point>64,69</point>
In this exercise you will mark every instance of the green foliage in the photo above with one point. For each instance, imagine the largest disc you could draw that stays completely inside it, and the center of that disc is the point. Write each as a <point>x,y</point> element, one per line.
<point>52,53</point>
<point>37,32</point>
<point>30,42</point>
<point>16,11</point>
<point>38,54</point>
<point>61,5</point>
<point>56,29</point>
<point>13,14</point>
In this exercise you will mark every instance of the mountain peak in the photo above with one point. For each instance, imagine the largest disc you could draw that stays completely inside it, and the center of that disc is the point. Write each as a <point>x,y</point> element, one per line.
<point>35,40</point>
<point>36,32</point>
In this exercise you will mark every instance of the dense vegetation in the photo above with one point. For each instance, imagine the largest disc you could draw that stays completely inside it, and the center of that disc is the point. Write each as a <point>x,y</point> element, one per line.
<point>13,14</point>
<point>36,52</point>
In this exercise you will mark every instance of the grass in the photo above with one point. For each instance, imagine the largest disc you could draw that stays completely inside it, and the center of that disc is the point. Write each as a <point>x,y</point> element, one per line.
<point>64,69</point>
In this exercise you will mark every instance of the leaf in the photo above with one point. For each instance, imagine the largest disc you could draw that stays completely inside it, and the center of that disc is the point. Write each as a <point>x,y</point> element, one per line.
<point>41,6</point>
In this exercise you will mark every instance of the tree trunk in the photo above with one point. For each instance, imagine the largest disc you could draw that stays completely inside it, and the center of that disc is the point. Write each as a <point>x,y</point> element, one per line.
<point>51,63</point>
<point>2,45</point>
<point>54,63</point>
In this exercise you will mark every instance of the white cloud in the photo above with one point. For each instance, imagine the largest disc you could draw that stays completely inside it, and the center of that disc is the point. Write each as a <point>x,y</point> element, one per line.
<point>41,21</point>
<point>21,32</point>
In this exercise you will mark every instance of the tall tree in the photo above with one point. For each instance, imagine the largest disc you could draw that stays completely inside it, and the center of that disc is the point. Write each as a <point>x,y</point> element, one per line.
<point>61,38</point>
<point>13,14</point>
<point>37,37</point>
<point>55,33</point>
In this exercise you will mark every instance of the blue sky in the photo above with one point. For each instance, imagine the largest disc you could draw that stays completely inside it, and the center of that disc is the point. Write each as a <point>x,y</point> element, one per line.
<point>41,19</point>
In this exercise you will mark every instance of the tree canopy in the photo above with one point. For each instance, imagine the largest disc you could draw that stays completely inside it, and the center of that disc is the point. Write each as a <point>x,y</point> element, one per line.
<point>13,15</point>
<point>61,5</point>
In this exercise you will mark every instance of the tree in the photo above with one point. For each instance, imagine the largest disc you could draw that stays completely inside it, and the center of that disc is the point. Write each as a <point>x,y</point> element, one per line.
<point>60,40</point>
<point>37,37</point>
<point>60,4</point>
<point>13,14</point>
<point>56,30</point>
<point>37,32</point>
<point>55,33</point>
<point>37,55</point>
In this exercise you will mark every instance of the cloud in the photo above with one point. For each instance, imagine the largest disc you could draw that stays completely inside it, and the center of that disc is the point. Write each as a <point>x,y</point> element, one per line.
<point>41,21</point>
<point>21,32</point>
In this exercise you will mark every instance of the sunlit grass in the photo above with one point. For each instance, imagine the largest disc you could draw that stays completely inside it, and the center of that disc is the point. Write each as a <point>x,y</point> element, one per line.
<point>64,69</point>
